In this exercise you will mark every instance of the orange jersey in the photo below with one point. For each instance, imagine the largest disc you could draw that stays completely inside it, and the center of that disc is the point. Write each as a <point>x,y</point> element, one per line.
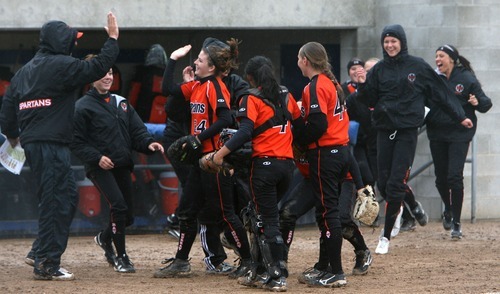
<point>320,95</point>
<point>205,97</point>
<point>275,141</point>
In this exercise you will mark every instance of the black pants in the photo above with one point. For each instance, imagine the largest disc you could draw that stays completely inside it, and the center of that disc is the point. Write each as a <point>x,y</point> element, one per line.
<point>209,198</point>
<point>328,166</point>
<point>396,151</point>
<point>269,181</point>
<point>115,185</point>
<point>301,200</point>
<point>57,200</point>
<point>449,160</point>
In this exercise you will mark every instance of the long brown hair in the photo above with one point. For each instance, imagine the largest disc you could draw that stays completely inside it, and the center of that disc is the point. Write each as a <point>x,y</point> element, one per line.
<point>224,58</point>
<point>318,58</point>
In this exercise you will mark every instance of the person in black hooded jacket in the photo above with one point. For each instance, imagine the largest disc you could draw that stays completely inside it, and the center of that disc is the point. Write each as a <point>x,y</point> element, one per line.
<point>449,141</point>
<point>37,111</point>
<point>106,131</point>
<point>398,88</point>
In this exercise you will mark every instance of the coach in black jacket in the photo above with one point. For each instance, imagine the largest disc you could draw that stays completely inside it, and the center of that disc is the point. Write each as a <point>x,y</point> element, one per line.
<point>38,107</point>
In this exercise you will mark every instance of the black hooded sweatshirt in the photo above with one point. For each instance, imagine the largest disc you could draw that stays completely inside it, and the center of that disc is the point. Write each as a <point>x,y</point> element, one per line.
<point>399,87</point>
<point>40,103</point>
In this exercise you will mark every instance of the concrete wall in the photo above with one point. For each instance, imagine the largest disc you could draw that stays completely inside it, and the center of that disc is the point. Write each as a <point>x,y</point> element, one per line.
<point>190,14</point>
<point>471,25</point>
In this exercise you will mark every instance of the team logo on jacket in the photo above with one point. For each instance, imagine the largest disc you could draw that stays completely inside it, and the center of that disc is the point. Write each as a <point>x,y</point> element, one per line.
<point>459,88</point>
<point>36,103</point>
<point>123,105</point>
<point>412,77</point>
<point>197,108</point>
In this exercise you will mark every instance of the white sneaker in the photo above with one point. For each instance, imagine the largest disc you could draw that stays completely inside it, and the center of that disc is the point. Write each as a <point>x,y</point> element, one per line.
<point>383,246</point>
<point>397,224</point>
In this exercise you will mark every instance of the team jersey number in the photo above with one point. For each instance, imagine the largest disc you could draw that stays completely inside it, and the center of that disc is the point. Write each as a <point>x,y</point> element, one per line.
<point>339,110</point>
<point>282,128</point>
<point>198,128</point>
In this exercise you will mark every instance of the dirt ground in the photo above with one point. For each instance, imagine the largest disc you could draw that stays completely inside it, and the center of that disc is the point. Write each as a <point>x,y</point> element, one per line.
<point>423,261</point>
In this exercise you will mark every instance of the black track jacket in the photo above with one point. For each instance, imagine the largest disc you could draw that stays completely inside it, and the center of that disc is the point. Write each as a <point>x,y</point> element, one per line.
<point>112,129</point>
<point>440,126</point>
<point>40,100</point>
<point>399,87</point>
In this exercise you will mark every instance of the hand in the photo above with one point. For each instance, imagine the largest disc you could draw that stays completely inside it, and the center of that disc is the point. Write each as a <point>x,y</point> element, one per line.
<point>13,141</point>
<point>112,27</point>
<point>155,146</point>
<point>473,100</point>
<point>106,163</point>
<point>181,52</point>
<point>360,74</point>
<point>188,74</point>
<point>467,123</point>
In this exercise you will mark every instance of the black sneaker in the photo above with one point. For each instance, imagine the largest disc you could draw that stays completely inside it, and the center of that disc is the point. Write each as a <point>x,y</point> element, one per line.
<point>363,261</point>
<point>223,268</point>
<point>109,252</point>
<point>420,215</point>
<point>408,225</point>
<point>257,281</point>
<point>30,259</point>
<point>329,280</point>
<point>244,267</point>
<point>309,274</point>
<point>456,233</point>
<point>175,268</point>
<point>447,220</point>
<point>276,285</point>
<point>124,265</point>
<point>60,275</point>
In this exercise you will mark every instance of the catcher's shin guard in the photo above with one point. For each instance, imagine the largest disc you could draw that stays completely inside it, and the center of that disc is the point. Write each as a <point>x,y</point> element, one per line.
<point>269,248</point>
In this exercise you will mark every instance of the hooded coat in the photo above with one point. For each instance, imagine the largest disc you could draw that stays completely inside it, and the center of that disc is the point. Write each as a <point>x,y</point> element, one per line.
<point>40,102</point>
<point>400,87</point>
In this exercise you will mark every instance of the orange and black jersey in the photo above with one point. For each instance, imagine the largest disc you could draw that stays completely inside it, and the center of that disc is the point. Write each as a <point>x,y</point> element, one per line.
<point>320,102</point>
<point>275,141</point>
<point>209,103</point>
<point>206,96</point>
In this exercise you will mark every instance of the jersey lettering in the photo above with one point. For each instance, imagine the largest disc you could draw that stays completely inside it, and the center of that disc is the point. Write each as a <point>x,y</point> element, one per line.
<point>197,107</point>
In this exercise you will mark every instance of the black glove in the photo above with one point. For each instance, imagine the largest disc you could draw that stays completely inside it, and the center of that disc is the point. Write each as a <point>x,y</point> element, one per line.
<point>186,149</point>
<point>192,150</point>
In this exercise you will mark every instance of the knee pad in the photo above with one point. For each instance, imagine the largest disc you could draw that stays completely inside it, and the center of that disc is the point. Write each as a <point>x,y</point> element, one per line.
<point>347,232</point>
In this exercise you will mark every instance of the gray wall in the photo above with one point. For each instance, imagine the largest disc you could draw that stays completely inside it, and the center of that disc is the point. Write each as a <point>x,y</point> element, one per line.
<point>471,25</point>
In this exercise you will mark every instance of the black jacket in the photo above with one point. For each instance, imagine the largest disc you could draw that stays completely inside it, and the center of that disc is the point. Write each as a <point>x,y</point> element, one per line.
<point>440,126</point>
<point>40,100</point>
<point>399,87</point>
<point>112,129</point>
